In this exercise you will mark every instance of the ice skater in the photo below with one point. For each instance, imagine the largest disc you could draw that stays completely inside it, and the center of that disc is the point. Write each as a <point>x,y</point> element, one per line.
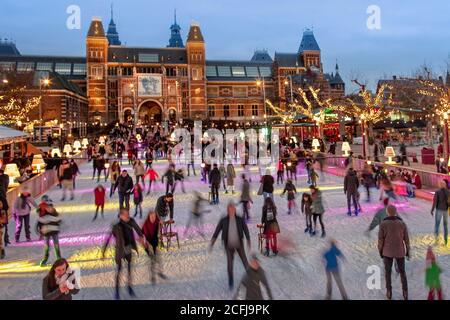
<point>151,231</point>
<point>99,194</point>
<point>291,191</point>
<point>332,269</point>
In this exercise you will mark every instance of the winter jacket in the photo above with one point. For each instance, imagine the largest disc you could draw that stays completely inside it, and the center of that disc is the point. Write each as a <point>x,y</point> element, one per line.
<point>117,233</point>
<point>222,226</point>
<point>290,189</point>
<point>231,174</point>
<point>267,182</point>
<point>49,224</point>
<point>280,166</point>
<point>152,174</point>
<point>163,208</point>
<point>351,183</point>
<point>317,205</point>
<point>269,220</point>
<point>170,175</point>
<point>378,218</point>
<point>441,199</point>
<point>137,195</point>
<point>215,177</point>
<point>393,238</point>
<point>4,183</point>
<point>331,258</point>
<point>432,274</point>
<point>53,293</point>
<point>114,175</point>
<point>20,210</point>
<point>100,164</point>
<point>245,195</point>
<point>151,231</point>
<point>252,281</point>
<point>65,172</point>
<point>124,184</point>
<point>139,169</point>
<point>306,206</point>
<point>417,181</point>
<point>99,194</point>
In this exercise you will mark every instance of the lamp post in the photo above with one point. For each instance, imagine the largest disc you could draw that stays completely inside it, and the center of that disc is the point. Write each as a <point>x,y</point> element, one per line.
<point>42,83</point>
<point>363,132</point>
<point>133,91</point>
<point>290,86</point>
<point>446,140</point>
<point>262,83</point>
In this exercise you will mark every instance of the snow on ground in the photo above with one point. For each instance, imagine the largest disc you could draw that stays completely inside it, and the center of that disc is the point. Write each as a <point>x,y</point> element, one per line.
<point>193,273</point>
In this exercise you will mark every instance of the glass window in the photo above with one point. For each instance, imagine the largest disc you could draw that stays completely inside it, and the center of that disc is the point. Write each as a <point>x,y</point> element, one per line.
<point>240,110</point>
<point>211,71</point>
<point>25,66</point>
<point>240,92</point>
<point>79,69</point>
<point>197,74</point>
<point>63,68</point>
<point>238,71</point>
<point>211,111</point>
<point>254,110</point>
<point>44,66</point>
<point>252,71</point>
<point>224,71</point>
<point>226,110</point>
<point>148,57</point>
<point>265,71</point>
<point>7,66</point>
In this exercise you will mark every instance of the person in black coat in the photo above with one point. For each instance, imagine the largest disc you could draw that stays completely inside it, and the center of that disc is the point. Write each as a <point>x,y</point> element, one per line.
<point>124,185</point>
<point>271,227</point>
<point>233,230</point>
<point>351,185</point>
<point>164,207</point>
<point>214,180</point>
<point>122,231</point>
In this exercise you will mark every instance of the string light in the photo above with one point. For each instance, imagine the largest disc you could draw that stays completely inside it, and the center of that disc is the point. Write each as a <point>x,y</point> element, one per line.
<point>17,106</point>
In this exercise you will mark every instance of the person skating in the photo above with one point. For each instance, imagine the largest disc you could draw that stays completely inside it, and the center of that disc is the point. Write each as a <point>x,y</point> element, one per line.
<point>280,171</point>
<point>124,186</point>
<point>151,230</point>
<point>267,182</point>
<point>233,229</point>
<point>306,208</point>
<point>317,210</point>
<point>152,177</point>
<point>440,210</point>
<point>125,243</point>
<point>99,195</point>
<point>432,275</point>
<point>75,171</point>
<point>115,173</point>
<point>138,198</point>
<point>351,185</point>
<point>214,180</point>
<point>170,179</point>
<point>291,191</point>
<point>94,166</point>
<point>223,175</point>
<point>367,179</point>
<point>231,175</point>
<point>271,227</point>
<point>246,198</point>
<point>254,278</point>
<point>164,207</point>
<point>101,167</point>
<point>21,212</point>
<point>197,213</point>
<point>332,269</point>
<point>139,171</point>
<point>60,282</point>
<point>3,223</point>
<point>379,216</point>
<point>179,177</point>
<point>48,227</point>
<point>393,244</point>
<point>65,173</point>
<point>313,176</point>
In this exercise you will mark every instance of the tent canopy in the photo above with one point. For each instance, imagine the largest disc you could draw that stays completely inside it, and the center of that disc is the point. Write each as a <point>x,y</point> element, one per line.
<point>8,135</point>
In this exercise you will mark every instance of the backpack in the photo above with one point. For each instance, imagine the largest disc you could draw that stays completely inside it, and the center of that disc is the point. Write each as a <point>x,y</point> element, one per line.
<point>270,215</point>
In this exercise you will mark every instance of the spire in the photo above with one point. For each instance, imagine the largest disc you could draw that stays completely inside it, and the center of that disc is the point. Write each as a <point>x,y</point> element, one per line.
<point>337,67</point>
<point>175,40</point>
<point>112,34</point>
<point>447,79</point>
<point>309,42</point>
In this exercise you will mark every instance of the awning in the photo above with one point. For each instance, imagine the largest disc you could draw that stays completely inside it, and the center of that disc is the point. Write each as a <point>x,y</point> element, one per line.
<point>8,135</point>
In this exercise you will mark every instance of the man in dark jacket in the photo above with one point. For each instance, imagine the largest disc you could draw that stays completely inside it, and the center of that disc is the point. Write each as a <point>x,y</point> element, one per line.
<point>164,207</point>
<point>252,281</point>
<point>233,230</point>
<point>122,232</point>
<point>267,184</point>
<point>441,205</point>
<point>170,179</point>
<point>4,184</point>
<point>393,243</point>
<point>214,180</point>
<point>124,185</point>
<point>351,185</point>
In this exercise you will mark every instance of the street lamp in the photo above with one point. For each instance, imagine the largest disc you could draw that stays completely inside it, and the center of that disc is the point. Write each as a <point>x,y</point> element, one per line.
<point>262,83</point>
<point>363,130</point>
<point>133,91</point>
<point>42,83</point>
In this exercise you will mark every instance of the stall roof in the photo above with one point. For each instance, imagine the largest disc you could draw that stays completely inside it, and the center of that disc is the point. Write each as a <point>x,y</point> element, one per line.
<point>8,134</point>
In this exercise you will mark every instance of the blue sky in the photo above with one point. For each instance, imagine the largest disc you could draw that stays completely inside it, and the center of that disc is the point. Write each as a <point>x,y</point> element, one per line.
<point>412,32</point>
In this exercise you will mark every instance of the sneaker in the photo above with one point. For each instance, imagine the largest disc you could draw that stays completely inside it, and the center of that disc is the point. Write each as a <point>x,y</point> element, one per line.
<point>356,213</point>
<point>267,253</point>
<point>307,229</point>
<point>349,213</point>
<point>324,234</point>
<point>313,233</point>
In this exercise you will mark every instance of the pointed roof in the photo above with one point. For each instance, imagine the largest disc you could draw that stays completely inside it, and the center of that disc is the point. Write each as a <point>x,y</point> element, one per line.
<point>447,79</point>
<point>112,34</point>
<point>175,40</point>
<point>96,29</point>
<point>336,79</point>
<point>8,48</point>
<point>309,42</point>
<point>261,56</point>
<point>195,34</point>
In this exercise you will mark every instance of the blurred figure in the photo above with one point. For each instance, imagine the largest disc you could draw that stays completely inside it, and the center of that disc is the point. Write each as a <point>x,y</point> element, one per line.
<point>252,281</point>
<point>441,206</point>
<point>197,213</point>
<point>280,171</point>
<point>214,180</point>
<point>122,231</point>
<point>317,210</point>
<point>99,194</point>
<point>179,176</point>
<point>379,216</point>
<point>393,244</point>
<point>267,182</point>
<point>231,175</point>
<point>351,185</point>
<point>139,171</point>
<point>48,227</point>
<point>306,208</point>
<point>152,177</point>
<point>75,171</point>
<point>151,230</point>
<point>60,283</point>
<point>21,213</point>
<point>138,198</point>
<point>233,230</point>
<point>432,275</point>
<point>124,186</point>
<point>65,173</point>
<point>246,198</point>
<point>164,207</point>
<point>115,173</point>
<point>332,269</point>
<point>3,223</point>
<point>290,189</point>
<point>170,179</point>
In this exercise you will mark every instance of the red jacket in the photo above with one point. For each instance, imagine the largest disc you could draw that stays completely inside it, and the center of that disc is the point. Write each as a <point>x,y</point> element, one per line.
<point>417,181</point>
<point>150,230</point>
<point>99,196</point>
<point>152,174</point>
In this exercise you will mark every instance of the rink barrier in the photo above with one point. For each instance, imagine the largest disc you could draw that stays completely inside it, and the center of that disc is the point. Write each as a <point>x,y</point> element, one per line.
<point>40,183</point>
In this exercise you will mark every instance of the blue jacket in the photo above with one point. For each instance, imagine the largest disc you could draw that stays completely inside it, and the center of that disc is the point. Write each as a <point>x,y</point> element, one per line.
<point>331,258</point>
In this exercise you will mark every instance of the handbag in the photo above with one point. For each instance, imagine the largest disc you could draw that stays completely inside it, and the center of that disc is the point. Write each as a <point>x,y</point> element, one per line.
<point>260,190</point>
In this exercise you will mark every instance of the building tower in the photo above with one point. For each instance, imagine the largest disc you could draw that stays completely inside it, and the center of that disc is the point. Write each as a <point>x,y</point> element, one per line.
<point>96,64</point>
<point>175,40</point>
<point>195,50</point>
<point>112,34</point>
<point>309,50</point>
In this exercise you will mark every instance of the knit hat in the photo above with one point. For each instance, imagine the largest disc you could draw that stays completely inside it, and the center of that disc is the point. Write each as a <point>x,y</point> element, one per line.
<point>430,255</point>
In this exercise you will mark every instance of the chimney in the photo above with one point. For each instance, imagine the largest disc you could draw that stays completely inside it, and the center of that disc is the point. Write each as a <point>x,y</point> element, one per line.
<point>394,77</point>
